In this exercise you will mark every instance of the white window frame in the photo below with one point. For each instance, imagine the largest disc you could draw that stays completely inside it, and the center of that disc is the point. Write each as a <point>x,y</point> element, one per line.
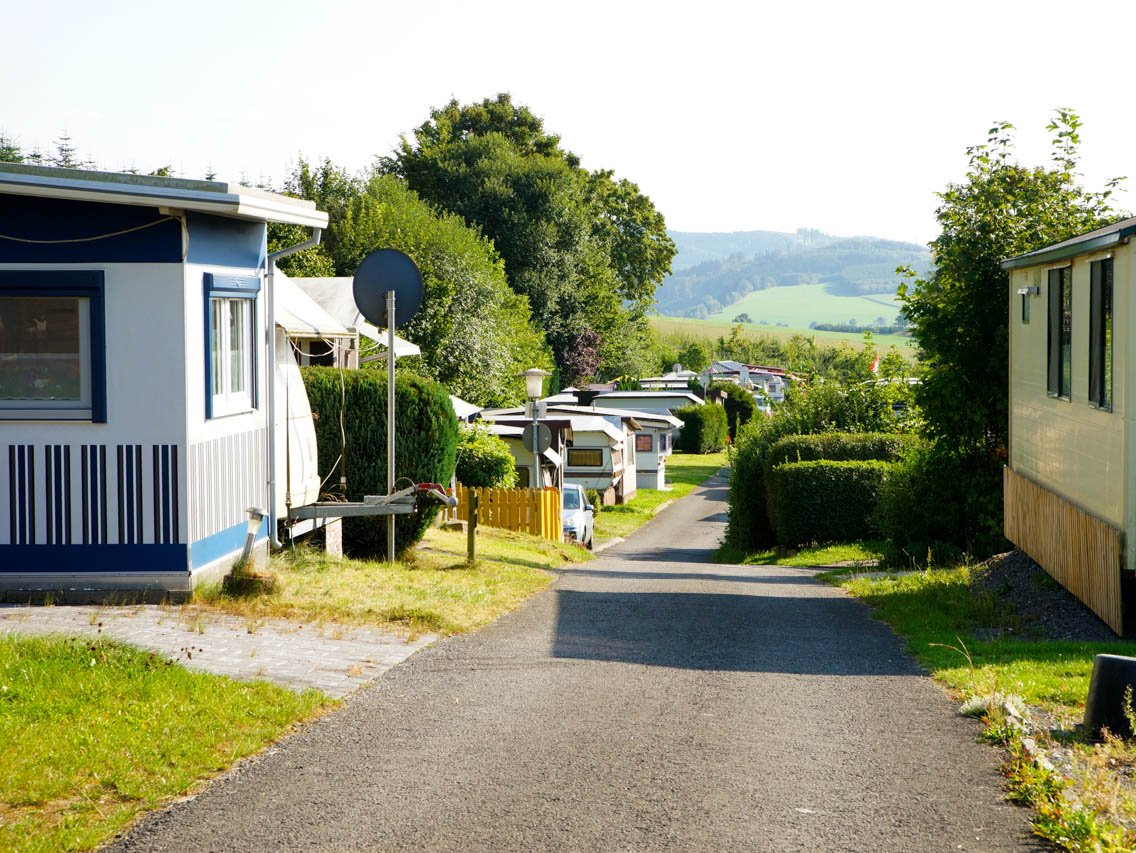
<point>223,294</point>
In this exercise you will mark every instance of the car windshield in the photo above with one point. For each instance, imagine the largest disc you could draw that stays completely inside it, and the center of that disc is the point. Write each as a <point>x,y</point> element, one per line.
<point>571,499</point>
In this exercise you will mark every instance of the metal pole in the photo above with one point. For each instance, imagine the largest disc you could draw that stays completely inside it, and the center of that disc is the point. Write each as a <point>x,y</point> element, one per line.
<point>390,420</point>
<point>536,452</point>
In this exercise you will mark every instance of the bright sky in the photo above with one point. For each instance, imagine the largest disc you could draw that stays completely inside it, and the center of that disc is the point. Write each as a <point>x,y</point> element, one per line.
<point>731,116</point>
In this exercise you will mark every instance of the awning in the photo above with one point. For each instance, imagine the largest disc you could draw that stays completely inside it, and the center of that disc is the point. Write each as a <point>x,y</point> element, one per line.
<point>299,315</point>
<point>553,457</point>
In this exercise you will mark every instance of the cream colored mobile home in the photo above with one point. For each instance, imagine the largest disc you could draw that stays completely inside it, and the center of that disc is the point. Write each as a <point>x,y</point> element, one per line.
<point>1070,498</point>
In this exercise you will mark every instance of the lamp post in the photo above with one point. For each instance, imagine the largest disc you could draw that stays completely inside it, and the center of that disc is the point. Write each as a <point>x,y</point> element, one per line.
<point>534,383</point>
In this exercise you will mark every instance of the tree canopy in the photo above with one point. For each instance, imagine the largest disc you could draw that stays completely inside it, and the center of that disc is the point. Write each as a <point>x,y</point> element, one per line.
<point>587,250</point>
<point>959,314</point>
<point>476,334</point>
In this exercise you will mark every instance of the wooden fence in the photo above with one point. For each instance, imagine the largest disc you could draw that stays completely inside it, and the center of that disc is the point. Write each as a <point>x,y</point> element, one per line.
<point>1081,552</point>
<point>534,511</point>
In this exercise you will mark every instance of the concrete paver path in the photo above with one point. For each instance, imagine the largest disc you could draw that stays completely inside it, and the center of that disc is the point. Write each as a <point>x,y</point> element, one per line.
<point>650,700</point>
<point>336,659</point>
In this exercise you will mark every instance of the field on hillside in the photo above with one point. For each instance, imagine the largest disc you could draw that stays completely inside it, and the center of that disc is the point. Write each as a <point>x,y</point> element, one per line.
<point>802,304</point>
<point>711,329</point>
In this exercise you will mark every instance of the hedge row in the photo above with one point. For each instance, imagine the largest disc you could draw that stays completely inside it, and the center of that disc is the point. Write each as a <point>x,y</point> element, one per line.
<point>846,446</point>
<point>703,428</point>
<point>426,436</point>
<point>824,500</point>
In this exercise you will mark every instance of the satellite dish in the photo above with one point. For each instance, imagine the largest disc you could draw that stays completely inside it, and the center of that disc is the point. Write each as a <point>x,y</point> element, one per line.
<point>382,271</point>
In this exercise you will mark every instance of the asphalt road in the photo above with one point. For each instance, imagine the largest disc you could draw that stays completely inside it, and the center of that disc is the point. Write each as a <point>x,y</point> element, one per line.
<point>650,700</point>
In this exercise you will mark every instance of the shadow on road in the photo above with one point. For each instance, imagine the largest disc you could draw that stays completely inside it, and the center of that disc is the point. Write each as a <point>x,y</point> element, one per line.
<point>736,633</point>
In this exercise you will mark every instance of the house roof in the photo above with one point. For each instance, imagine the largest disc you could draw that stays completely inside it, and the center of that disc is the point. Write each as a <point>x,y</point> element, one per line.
<point>651,395</point>
<point>1102,238</point>
<point>336,296</point>
<point>215,197</point>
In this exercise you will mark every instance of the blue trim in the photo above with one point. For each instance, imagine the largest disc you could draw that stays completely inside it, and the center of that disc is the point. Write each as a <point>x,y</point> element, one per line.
<point>88,284</point>
<point>222,286</point>
<point>217,241</point>
<point>157,240</point>
<point>229,541</point>
<point>21,559</point>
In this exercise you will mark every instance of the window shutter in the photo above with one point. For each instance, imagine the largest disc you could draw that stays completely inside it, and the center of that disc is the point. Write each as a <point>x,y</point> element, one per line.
<point>1096,332</point>
<point>1054,383</point>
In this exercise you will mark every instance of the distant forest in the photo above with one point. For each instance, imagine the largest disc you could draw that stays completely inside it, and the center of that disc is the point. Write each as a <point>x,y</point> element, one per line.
<point>713,271</point>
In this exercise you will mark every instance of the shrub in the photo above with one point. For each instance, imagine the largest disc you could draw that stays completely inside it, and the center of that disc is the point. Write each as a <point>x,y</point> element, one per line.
<point>484,459</point>
<point>815,408</point>
<point>594,500</point>
<point>840,446</point>
<point>425,444</point>
<point>937,506</point>
<point>739,404</point>
<point>703,428</point>
<point>824,500</point>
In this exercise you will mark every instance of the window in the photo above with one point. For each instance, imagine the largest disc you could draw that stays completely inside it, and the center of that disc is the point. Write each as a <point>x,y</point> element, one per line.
<point>1060,332</point>
<point>52,352</point>
<point>585,457</point>
<point>643,443</point>
<point>1100,334</point>
<point>230,351</point>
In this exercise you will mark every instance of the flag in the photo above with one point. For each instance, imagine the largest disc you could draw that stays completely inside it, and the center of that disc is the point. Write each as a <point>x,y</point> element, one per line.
<point>875,368</point>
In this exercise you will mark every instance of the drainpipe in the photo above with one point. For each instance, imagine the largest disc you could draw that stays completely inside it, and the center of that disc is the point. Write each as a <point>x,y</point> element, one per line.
<point>273,257</point>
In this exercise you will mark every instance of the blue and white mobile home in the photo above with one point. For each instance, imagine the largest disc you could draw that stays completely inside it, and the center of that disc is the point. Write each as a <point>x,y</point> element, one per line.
<point>136,334</point>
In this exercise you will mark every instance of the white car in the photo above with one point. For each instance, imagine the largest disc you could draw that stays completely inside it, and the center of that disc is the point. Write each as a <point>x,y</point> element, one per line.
<point>577,515</point>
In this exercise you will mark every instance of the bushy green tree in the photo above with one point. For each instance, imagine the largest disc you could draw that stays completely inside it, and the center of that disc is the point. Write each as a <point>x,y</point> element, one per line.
<point>476,335</point>
<point>484,459</point>
<point>739,405</point>
<point>959,315</point>
<point>588,251</point>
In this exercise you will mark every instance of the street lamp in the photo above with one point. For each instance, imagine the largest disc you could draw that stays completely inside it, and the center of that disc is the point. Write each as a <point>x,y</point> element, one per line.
<point>534,384</point>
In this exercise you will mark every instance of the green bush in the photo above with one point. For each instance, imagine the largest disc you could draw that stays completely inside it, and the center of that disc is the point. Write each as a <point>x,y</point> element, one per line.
<point>936,507</point>
<point>824,500</point>
<point>703,428</point>
<point>811,408</point>
<point>484,459</point>
<point>594,500</point>
<point>840,446</point>
<point>739,404</point>
<point>426,437</point>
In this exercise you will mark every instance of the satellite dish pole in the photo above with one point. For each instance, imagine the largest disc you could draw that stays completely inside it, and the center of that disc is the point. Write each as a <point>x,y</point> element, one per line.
<point>391,273</point>
<point>390,418</point>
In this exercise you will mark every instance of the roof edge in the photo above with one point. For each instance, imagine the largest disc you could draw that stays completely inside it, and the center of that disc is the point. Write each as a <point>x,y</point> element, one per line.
<point>1071,249</point>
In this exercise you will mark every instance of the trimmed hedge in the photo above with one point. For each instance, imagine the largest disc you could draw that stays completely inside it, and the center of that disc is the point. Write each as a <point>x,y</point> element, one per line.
<point>824,500</point>
<point>840,446</point>
<point>426,440</point>
<point>739,405</point>
<point>703,428</point>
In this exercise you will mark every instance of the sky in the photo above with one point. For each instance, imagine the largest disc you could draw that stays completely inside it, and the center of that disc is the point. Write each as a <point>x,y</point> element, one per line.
<point>730,116</point>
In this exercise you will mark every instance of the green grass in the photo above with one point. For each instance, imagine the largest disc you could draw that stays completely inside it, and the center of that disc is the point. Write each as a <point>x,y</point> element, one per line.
<point>867,552</point>
<point>684,472</point>
<point>947,627</point>
<point>93,733</point>
<point>710,330</point>
<point>808,303</point>
<point>430,590</point>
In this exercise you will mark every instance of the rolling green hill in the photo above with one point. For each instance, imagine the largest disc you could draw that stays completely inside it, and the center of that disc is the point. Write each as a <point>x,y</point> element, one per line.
<point>809,277</point>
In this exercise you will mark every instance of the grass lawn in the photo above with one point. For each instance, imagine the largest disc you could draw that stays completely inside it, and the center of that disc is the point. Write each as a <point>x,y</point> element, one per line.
<point>431,590</point>
<point>684,472</point>
<point>686,328</point>
<point>866,553</point>
<point>943,623</point>
<point>93,733</point>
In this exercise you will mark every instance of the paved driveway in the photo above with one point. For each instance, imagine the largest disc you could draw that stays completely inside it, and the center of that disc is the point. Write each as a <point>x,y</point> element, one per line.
<point>650,700</point>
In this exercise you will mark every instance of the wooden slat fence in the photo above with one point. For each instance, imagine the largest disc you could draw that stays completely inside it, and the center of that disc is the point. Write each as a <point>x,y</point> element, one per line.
<point>1082,553</point>
<point>533,511</point>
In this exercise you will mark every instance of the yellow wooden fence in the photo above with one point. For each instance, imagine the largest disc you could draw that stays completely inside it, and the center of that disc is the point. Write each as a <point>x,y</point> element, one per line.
<point>533,511</point>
